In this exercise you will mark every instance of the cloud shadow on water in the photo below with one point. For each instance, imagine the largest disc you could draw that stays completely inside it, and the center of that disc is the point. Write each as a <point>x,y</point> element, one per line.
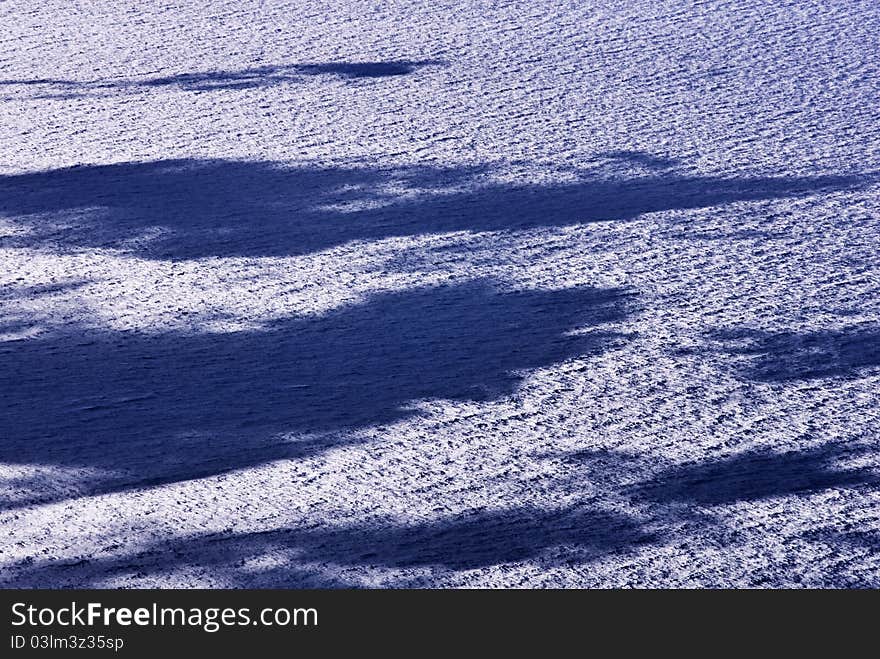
<point>756,475</point>
<point>161,408</point>
<point>476,540</point>
<point>786,356</point>
<point>186,209</point>
<point>220,79</point>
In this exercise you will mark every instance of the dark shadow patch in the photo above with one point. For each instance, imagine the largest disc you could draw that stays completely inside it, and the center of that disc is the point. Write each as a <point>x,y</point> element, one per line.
<point>756,475</point>
<point>169,407</point>
<point>228,79</point>
<point>15,291</point>
<point>185,209</point>
<point>365,69</point>
<point>641,158</point>
<point>787,356</point>
<point>851,539</point>
<point>481,539</point>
